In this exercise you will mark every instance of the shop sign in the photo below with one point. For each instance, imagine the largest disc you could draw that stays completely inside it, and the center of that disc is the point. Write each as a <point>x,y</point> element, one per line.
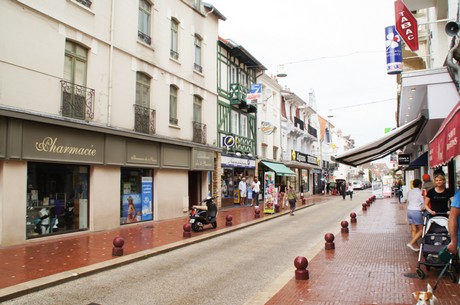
<point>303,158</point>
<point>403,159</point>
<point>267,128</point>
<point>202,160</point>
<point>406,25</point>
<point>61,144</point>
<point>142,153</point>
<point>255,93</point>
<point>237,162</point>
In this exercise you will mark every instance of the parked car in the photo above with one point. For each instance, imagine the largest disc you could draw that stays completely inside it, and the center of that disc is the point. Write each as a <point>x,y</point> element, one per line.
<point>358,185</point>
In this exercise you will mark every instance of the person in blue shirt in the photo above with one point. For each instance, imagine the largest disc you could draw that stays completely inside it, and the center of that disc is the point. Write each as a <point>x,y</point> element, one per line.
<point>454,229</point>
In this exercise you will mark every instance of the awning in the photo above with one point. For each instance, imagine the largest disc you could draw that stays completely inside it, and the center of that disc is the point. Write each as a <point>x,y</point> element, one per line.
<point>444,145</point>
<point>279,168</point>
<point>392,141</point>
<point>422,160</point>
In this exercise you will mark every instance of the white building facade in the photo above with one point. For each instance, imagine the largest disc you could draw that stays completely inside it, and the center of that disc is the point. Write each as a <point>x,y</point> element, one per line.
<point>107,113</point>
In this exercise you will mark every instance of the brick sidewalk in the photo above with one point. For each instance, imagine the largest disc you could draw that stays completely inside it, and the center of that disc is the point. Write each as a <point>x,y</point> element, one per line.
<point>370,265</point>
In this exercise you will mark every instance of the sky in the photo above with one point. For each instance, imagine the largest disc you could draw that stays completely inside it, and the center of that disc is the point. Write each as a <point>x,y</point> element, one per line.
<point>335,48</point>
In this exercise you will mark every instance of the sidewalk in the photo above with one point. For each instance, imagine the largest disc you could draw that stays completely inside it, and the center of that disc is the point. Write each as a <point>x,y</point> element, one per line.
<point>370,265</point>
<point>43,263</point>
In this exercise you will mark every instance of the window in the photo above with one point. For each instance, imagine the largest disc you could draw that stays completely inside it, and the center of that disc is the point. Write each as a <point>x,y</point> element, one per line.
<point>142,106</point>
<point>198,66</point>
<point>244,126</point>
<point>174,39</point>
<point>235,122</point>
<point>197,101</point>
<point>197,4</point>
<point>86,3</point>
<point>173,105</point>
<point>143,31</point>
<point>75,67</point>
<point>233,75</point>
<point>142,90</point>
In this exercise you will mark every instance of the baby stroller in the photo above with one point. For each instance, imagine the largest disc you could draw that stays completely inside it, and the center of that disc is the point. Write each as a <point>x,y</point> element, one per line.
<point>435,236</point>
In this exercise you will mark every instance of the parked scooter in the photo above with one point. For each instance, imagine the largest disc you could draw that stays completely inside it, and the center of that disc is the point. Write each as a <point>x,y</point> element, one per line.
<point>204,214</point>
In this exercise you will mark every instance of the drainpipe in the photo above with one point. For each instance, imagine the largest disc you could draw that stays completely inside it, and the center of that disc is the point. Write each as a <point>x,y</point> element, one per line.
<point>109,94</point>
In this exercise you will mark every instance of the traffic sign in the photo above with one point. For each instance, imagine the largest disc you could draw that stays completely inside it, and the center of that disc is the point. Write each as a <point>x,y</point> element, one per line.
<point>406,25</point>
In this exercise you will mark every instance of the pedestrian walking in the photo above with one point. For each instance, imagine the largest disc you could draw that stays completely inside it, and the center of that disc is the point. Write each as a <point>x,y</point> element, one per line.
<point>255,191</point>
<point>292,199</point>
<point>454,229</point>
<point>343,189</point>
<point>415,203</point>
<point>282,191</point>
<point>350,190</point>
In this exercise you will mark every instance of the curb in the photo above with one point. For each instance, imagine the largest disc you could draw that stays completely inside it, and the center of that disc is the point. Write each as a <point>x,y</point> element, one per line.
<point>18,290</point>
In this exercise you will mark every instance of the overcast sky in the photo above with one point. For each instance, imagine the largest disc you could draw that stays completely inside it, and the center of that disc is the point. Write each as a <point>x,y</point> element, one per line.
<point>335,47</point>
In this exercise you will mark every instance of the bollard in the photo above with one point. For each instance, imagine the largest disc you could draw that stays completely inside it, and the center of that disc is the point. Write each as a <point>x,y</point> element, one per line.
<point>302,198</point>
<point>364,206</point>
<point>329,245</point>
<point>301,264</point>
<point>229,219</point>
<point>368,203</point>
<point>277,208</point>
<point>187,230</point>
<point>353,217</point>
<point>118,243</point>
<point>344,225</point>
<point>257,212</point>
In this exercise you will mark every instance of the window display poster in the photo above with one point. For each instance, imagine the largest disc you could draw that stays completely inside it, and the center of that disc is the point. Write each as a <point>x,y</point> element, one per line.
<point>270,193</point>
<point>147,188</point>
<point>131,208</point>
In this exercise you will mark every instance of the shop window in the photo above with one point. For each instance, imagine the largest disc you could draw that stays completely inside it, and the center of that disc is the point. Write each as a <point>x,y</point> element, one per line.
<point>227,183</point>
<point>136,202</point>
<point>57,199</point>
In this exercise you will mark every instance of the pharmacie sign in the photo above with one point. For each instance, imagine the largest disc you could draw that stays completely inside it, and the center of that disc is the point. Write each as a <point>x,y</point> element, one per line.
<point>406,25</point>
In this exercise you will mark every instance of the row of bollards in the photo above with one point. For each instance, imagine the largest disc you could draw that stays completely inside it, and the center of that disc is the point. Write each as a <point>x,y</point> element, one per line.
<point>301,263</point>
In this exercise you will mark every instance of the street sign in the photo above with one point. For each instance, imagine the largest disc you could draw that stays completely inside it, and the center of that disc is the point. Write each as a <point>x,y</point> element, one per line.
<point>406,25</point>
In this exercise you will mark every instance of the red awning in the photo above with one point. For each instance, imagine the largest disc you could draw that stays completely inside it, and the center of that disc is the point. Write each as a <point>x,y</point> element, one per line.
<point>444,146</point>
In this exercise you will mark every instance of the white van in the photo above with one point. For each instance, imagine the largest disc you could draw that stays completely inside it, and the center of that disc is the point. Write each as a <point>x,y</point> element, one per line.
<point>358,185</point>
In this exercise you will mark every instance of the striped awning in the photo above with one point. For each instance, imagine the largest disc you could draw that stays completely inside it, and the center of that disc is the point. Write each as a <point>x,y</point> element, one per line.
<point>392,141</point>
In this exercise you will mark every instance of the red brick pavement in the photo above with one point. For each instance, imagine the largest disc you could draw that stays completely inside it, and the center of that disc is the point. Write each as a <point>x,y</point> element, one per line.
<point>41,258</point>
<point>370,265</point>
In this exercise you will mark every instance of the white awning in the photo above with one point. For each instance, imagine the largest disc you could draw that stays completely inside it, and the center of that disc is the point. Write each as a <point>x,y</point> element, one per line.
<point>392,141</point>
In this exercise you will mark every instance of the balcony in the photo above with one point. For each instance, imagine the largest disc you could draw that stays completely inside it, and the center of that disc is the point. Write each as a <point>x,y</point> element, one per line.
<point>77,101</point>
<point>144,119</point>
<point>238,95</point>
<point>198,68</point>
<point>86,3</point>
<point>312,131</point>
<point>199,132</point>
<point>299,123</point>
<point>242,144</point>
<point>174,54</point>
<point>144,37</point>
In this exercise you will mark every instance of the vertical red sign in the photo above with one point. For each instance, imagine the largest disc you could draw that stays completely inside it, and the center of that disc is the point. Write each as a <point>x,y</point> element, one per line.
<point>406,25</point>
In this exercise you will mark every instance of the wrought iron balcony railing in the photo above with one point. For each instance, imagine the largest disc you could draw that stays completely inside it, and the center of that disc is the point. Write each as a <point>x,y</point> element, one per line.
<point>312,131</point>
<point>198,68</point>
<point>299,123</point>
<point>174,54</point>
<point>86,3</point>
<point>144,37</point>
<point>199,132</point>
<point>77,101</point>
<point>144,119</point>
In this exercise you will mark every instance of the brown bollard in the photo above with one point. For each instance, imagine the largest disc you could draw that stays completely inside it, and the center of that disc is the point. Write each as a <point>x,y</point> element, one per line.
<point>364,206</point>
<point>353,217</point>
<point>187,230</point>
<point>118,243</point>
<point>229,219</point>
<point>277,208</point>
<point>301,264</point>
<point>257,212</point>
<point>329,245</point>
<point>344,225</point>
<point>368,203</point>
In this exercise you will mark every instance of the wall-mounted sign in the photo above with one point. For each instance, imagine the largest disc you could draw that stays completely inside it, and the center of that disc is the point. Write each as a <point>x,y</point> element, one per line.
<point>255,93</point>
<point>267,128</point>
<point>406,25</point>
<point>228,141</point>
<point>404,159</point>
<point>394,51</point>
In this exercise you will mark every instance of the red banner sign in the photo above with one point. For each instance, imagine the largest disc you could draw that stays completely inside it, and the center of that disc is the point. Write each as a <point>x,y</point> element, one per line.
<point>406,25</point>
<point>445,144</point>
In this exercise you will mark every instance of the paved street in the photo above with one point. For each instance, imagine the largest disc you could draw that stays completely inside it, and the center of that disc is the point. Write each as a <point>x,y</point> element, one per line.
<point>237,268</point>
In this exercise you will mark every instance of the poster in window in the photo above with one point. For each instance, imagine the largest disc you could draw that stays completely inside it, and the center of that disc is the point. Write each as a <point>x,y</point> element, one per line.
<point>147,208</point>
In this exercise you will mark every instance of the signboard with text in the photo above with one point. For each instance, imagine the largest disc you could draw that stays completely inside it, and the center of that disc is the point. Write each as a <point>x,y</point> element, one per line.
<point>406,25</point>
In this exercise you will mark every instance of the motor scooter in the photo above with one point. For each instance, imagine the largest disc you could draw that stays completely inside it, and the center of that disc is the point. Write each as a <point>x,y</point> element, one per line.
<point>204,214</point>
